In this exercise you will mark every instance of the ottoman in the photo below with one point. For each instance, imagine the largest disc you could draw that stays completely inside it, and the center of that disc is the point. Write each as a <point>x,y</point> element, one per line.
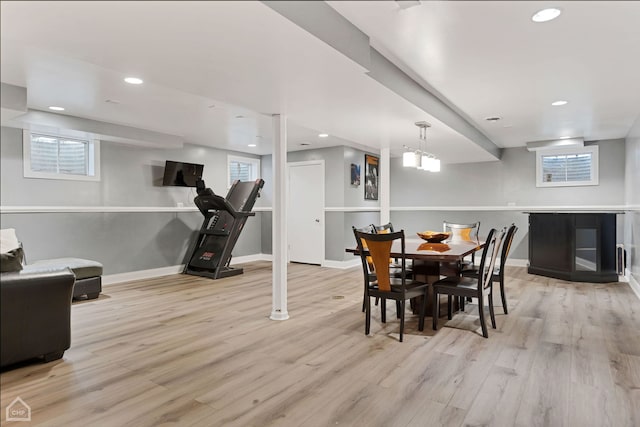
<point>88,274</point>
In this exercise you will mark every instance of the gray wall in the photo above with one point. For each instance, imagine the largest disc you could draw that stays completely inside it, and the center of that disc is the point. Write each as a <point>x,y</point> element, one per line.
<point>632,195</point>
<point>338,193</point>
<point>131,176</point>
<point>122,241</point>
<point>511,180</point>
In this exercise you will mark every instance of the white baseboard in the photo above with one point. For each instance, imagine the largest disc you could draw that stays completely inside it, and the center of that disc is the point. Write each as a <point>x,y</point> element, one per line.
<point>251,258</point>
<point>514,262</point>
<point>110,279</point>
<point>633,283</point>
<point>342,265</point>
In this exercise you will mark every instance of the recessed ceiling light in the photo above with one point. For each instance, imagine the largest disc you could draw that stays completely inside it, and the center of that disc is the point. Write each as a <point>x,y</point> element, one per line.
<point>565,137</point>
<point>54,108</point>
<point>546,15</point>
<point>558,103</point>
<point>252,145</point>
<point>323,135</point>
<point>133,80</point>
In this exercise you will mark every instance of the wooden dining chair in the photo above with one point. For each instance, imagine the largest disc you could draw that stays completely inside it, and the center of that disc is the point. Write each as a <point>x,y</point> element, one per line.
<point>370,269</point>
<point>471,287</point>
<point>462,233</point>
<point>383,285</point>
<point>388,228</point>
<point>498,272</point>
<point>395,272</point>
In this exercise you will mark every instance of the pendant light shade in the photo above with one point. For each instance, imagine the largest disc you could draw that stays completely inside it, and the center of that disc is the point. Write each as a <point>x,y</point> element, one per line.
<point>409,159</point>
<point>426,164</point>
<point>420,159</point>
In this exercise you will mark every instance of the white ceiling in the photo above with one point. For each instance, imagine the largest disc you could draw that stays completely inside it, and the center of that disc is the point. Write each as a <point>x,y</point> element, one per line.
<point>215,71</point>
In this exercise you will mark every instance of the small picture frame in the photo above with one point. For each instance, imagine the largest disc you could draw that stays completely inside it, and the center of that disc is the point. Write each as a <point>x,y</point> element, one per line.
<point>371,164</point>
<point>355,175</point>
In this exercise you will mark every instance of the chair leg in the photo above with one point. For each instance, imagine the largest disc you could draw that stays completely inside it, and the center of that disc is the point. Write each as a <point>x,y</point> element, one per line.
<point>503,296</point>
<point>377,299</point>
<point>449,307</point>
<point>423,309</point>
<point>491,311</point>
<point>397,309</point>
<point>367,317</point>
<point>383,310</point>
<point>434,310</point>
<point>485,333</point>
<point>364,302</point>
<point>461,303</point>
<point>401,318</point>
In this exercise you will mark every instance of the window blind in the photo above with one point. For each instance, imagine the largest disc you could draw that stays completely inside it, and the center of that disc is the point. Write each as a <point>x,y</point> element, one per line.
<point>240,170</point>
<point>567,167</point>
<point>59,155</point>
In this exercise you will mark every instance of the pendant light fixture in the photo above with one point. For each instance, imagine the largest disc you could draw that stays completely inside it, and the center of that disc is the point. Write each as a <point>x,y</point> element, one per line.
<point>417,158</point>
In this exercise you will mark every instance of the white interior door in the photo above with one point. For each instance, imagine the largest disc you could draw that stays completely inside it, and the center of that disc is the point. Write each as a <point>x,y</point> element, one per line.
<point>305,213</point>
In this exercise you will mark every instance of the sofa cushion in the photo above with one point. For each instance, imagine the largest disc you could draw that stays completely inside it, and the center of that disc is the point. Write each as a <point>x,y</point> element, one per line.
<point>8,240</point>
<point>82,268</point>
<point>12,260</point>
<point>11,254</point>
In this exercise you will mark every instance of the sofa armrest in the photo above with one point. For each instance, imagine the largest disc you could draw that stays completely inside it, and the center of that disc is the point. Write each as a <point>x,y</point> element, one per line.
<point>35,313</point>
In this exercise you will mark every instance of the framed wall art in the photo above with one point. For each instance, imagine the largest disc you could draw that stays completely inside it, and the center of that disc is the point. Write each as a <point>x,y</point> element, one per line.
<point>355,175</point>
<point>371,164</point>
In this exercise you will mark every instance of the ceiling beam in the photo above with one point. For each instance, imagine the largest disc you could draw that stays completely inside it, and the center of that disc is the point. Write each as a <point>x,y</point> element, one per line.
<point>13,100</point>
<point>43,120</point>
<point>388,74</point>
<point>325,23</point>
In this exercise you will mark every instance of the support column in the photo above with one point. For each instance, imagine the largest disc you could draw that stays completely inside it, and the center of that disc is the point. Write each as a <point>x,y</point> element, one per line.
<point>279,219</point>
<point>384,182</point>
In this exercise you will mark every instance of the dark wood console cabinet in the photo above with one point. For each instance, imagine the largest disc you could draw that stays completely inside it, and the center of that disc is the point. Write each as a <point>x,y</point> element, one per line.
<point>575,246</point>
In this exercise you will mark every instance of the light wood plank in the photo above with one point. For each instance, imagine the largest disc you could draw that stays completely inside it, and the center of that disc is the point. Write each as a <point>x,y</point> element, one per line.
<point>190,351</point>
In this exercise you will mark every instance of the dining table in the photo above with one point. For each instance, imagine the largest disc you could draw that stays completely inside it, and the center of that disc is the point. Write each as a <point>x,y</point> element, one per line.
<point>432,260</point>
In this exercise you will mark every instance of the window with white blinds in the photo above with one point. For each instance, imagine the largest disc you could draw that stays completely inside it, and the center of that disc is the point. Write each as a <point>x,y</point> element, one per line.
<point>242,168</point>
<point>60,157</point>
<point>569,167</point>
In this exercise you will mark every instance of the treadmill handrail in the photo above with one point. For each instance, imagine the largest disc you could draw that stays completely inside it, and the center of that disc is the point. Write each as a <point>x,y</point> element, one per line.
<point>217,203</point>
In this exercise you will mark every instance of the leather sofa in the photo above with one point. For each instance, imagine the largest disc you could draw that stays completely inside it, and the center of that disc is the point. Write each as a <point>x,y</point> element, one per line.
<point>35,314</point>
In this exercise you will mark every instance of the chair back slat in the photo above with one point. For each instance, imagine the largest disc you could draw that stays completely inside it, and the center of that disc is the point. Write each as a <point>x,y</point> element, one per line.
<point>506,246</point>
<point>378,248</point>
<point>380,252</point>
<point>492,245</point>
<point>383,229</point>
<point>462,232</point>
<point>367,260</point>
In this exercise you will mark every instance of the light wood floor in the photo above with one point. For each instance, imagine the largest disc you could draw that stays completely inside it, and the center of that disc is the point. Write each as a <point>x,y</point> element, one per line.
<point>188,351</point>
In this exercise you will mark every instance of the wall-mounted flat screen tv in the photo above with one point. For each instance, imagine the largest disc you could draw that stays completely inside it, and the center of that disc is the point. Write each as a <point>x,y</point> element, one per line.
<point>181,174</point>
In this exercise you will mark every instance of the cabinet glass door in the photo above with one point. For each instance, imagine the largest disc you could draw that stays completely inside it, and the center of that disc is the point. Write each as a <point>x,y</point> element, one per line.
<point>586,258</point>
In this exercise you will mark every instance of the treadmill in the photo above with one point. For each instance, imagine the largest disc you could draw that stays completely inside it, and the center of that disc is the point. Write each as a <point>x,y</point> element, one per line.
<point>224,218</point>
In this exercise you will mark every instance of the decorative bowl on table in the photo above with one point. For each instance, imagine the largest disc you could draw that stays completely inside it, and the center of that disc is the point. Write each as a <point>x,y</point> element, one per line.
<point>434,236</point>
